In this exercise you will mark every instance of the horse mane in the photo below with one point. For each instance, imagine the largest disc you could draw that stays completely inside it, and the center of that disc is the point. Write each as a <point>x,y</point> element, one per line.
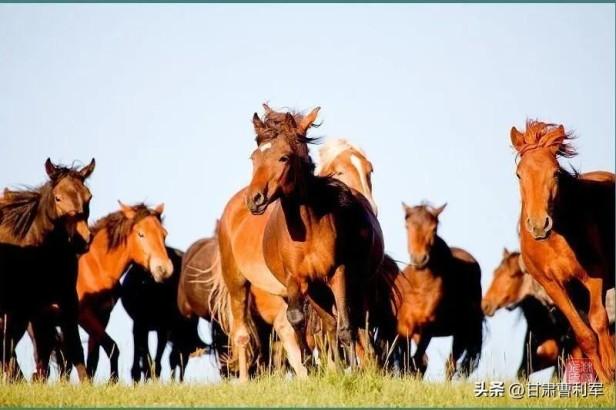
<point>19,209</point>
<point>544,135</point>
<point>332,148</point>
<point>118,226</point>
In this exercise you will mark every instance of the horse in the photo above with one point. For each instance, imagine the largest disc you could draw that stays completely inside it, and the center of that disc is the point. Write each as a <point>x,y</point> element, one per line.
<point>134,234</point>
<point>153,306</point>
<point>290,230</point>
<point>42,232</point>
<point>548,334</point>
<point>567,233</point>
<point>441,293</point>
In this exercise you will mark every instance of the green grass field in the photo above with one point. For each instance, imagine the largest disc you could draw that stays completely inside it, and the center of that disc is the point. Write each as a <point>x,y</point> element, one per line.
<point>362,389</point>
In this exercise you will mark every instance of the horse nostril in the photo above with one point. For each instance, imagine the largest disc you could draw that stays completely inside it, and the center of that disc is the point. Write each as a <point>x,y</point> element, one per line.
<point>257,199</point>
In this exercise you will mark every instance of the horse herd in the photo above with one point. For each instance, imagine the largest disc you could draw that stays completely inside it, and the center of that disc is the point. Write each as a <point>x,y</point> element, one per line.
<point>299,254</point>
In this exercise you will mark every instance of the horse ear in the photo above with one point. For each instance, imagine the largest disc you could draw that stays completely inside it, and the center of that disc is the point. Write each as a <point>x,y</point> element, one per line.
<point>50,168</point>
<point>556,139</point>
<point>257,123</point>
<point>126,210</point>
<point>437,211</point>
<point>290,120</point>
<point>308,120</point>
<point>86,171</point>
<point>267,109</point>
<point>506,253</point>
<point>160,208</point>
<point>517,139</point>
<point>405,208</point>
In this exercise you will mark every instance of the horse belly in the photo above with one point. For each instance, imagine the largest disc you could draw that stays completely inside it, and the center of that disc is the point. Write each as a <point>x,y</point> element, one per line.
<point>247,245</point>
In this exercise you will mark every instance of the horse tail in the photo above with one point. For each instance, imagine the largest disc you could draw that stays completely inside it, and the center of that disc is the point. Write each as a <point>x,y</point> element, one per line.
<point>219,304</point>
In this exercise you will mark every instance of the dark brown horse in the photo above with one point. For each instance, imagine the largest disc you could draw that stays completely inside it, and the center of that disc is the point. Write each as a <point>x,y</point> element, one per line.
<point>153,306</point>
<point>441,293</point>
<point>42,232</point>
<point>548,334</point>
<point>567,233</point>
<point>290,230</point>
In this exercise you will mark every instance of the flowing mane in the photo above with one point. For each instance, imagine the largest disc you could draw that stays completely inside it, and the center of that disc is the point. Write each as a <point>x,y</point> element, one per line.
<point>544,135</point>
<point>332,148</point>
<point>118,226</point>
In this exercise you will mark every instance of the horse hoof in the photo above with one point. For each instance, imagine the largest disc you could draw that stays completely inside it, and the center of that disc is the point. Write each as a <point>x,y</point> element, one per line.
<point>295,317</point>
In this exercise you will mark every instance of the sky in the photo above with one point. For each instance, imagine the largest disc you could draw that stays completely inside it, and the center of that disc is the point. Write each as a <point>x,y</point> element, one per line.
<point>163,95</point>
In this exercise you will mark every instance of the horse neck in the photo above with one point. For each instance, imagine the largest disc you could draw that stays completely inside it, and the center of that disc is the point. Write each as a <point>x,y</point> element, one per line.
<point>440,255</point>
<point>298,209</point>
<point>104,264</point>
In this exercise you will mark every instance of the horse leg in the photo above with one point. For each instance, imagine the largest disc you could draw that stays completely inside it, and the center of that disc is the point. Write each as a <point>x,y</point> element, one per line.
<point>585,336</point>
<point>160,349</point>
<point>288,336</point>
<point>74,349</point>
<point>12,329</point>
<point>526,367</point>
<point>597,316</point>
<point>93,356</point>
<point>338,286</point>
<point>295,311</point>
<point>92,324</point>
<point>420,361</point>
<point>140,354</point>
<point>43,342</point>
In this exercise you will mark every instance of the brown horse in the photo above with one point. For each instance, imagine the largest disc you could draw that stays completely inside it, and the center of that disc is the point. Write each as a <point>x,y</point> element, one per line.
<point>42,231</point>
<point>548,334</point>
<point>567,233</point>
<point>134,234</point>
<point>315,231</point>
<point>337,158</point>
<point>441,293</point>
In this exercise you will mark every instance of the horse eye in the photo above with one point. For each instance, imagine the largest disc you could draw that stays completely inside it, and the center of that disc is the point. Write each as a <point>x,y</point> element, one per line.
<point>517,174</point>
<point>58,199</point>
<point>141,234</point>
<point>284,158</point>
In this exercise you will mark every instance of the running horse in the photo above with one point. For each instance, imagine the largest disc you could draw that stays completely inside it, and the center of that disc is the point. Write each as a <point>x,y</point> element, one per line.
<point>290,230</point>
<point>200,281</point>
<point>42,232</point>
<point>134,234</point>
<point>441,293</point>
<point>567,233</point>
<point>548,334</point>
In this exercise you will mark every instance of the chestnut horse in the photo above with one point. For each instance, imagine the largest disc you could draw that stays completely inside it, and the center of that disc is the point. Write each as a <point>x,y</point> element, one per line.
<point>134,234</point>
<point>315,231</point>
<point>567,233</point>
<point>548,334</point>
<point>42,231</point>
<point>441,293</point>
<point>337,158</point>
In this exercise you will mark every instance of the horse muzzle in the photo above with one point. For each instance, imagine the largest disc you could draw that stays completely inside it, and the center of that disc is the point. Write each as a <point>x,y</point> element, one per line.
<point>419,262</point>
<point>257,203</point>
<point>161,270</point>
<point>539,228</point>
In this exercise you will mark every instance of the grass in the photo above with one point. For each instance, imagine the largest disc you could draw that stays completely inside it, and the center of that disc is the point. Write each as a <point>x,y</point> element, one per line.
<point>336,389</point>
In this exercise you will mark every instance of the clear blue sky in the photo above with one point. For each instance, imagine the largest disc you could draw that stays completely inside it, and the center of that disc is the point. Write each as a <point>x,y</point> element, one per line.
<point>163,95</point>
